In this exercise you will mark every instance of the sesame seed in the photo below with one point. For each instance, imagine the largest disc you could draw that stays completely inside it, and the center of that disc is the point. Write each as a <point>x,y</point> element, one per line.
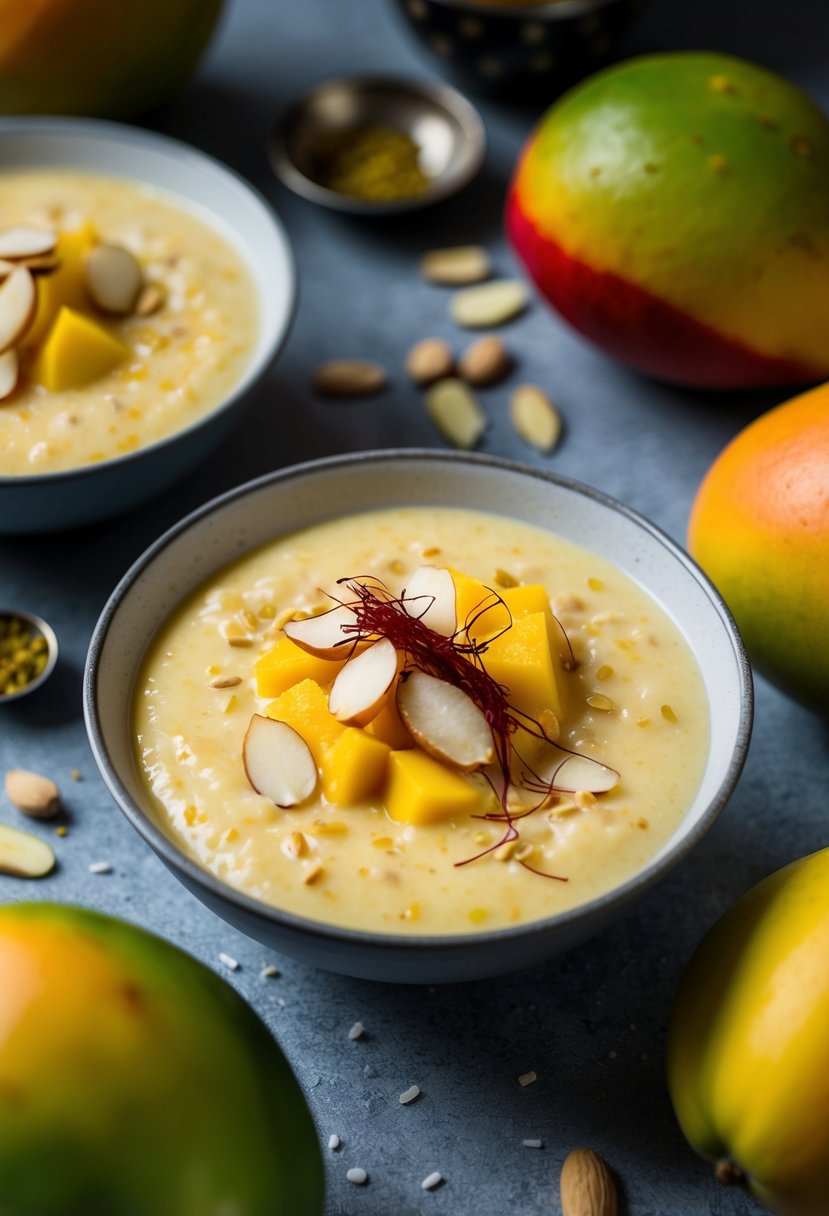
<point>357,1175</point>
<point>229,961</point>
<point>100,867</point>
<point>409,1095</point>
<point>268,971</point>
<point>356,1030</point>
<point>532,1144</point>
<point>333,1142</point>
<point>431,1181</point>
<point>527,1078</point>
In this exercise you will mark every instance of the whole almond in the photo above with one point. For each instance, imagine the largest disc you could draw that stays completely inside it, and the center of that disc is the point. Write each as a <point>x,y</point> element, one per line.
<point>430,360</point>
<point>349,378</point>
<point>32,794</point>
<point>24,855</point>
<point>485,362</point>
<point>534,417</point>
<point>456,266</point>
<point>587,1186</point>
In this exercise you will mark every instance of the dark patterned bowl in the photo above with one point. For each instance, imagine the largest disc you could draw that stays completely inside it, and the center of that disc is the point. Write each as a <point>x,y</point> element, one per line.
<point>520,50</point>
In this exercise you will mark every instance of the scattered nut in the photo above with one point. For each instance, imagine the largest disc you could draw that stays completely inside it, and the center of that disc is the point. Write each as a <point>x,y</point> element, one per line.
<point>26,242</point>
<point>587,1186</point>
<point>294,845</point>
<point>151,299</point>
<point>18,302</point>
<point>457,266</point>
<point>24,855</point>
<point>113,278</point>
<point>430,360</point>
<point>489,304</point>
<point>349,378</point>
<point>485,362</point>
<point>535,418</point>
<point>225,681</point>
<point>32,794</point>
<point>9,368</point>
<point>455,411</point>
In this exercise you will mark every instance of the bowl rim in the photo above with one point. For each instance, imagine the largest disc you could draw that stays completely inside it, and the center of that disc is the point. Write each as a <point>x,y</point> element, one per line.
<point>251,908</point>
<point>437,93</point>
<point>552,10</point>
<point>52,650</point>
<point>93,128</point>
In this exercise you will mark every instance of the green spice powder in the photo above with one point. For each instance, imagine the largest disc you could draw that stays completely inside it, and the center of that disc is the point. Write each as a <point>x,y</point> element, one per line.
<point>376,163</point>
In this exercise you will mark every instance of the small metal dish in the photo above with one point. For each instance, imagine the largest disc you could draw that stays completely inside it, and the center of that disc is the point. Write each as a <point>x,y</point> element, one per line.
<point>38,628</point>
<point>446,127</point>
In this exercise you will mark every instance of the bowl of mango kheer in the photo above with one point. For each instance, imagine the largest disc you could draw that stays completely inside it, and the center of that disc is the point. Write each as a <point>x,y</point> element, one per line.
<point>417,716</point>
<point>144,289</point>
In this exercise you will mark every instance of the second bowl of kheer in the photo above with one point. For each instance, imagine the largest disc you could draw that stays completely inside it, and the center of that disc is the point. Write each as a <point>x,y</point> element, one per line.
<point>144,289</point>
<point>417,716</point>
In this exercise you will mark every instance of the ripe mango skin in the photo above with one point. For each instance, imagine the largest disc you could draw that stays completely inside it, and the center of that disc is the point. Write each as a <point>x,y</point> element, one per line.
<point>98,58</point>
<point>748,1046</point>
<point>759,527</point>
<point>675,209</point>
<point>135,1081</point>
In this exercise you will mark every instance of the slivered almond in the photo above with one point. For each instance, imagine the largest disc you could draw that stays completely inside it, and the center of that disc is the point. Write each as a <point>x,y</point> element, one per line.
<point>18,301</point>
<point>444,721</point>
<point>534,417</point>
<point>489,304</point>
<point>587,1186</point>
<point>349,378</point>
<point>454,410</point>
<point>9,368</point>
<point>32,794</point>
<point>151,299</point>
<point>113,278</point>
<point>26,242</point>
<point>278,762</point>
<point>456,266</point>
<point>324,636</point>
<point>46,263</point>
<point>430,596</point>
<point>570,771</point>
<point>363,684</point>
<point>24,855</point>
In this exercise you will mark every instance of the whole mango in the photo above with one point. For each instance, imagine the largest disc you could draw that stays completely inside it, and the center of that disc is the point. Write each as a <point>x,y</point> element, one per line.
<point>675,210</point>
<point>748,1047</point>
<point>99,58</point>
<point>133,1081</point>
<point>759,527</point>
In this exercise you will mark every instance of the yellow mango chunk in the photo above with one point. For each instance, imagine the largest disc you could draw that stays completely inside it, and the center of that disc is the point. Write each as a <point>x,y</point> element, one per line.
<point>354,767</point>
<point>77,351</point>
<point>522,661</point>
<point>421,790</point>
<point>288,664</point>
<point>470,597</point>
<point>66,286</point>
<point>388,727</point>
<point>305,708</point>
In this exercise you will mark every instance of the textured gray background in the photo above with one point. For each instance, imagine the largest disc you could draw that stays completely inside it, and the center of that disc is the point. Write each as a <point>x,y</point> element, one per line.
<point>591,1024</point>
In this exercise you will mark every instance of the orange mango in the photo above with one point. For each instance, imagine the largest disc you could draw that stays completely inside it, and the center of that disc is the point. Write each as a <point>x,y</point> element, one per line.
<point>759,527</point>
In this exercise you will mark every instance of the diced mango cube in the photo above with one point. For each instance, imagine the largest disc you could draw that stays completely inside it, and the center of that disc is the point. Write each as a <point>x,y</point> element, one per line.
<point>77,351</point>
<point>287,664</point>
<point>66,286</point>
<point>305,708</point>
<point>534,598</point>
<point>388,727</point>
<point>354,767</point>
<point>421,790</point>
<point>477,607</point>
<point>521,660</point>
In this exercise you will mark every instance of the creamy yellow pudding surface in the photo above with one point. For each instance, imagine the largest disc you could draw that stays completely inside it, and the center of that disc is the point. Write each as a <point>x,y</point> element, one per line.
<point>358,868</point>
<point>184,358</point>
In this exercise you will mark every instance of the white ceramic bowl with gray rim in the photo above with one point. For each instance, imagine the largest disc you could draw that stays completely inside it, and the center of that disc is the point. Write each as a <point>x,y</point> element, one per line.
<point>224,201</point>
<point>247,517</point>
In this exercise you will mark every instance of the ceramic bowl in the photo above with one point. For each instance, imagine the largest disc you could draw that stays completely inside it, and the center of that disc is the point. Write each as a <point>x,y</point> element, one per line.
<point>307,494</point>
<point>54,501</point>
<point>36,627</point>
<point>447,130</point>
<point>529,51</point>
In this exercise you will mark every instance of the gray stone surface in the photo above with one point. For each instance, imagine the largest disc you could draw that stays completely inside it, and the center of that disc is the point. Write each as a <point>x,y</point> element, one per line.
<point>592,1024</point>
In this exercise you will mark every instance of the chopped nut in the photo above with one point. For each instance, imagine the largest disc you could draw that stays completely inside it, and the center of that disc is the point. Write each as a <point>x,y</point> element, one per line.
<point>668,713</point>
<point>585,800</point>
<point>294,845</point>
<point>310,876</point>
<point>225,681</point>
<point>598,700</point>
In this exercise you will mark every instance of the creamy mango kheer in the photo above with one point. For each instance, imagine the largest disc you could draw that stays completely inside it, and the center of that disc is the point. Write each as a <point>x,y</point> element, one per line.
<point>404,859</point>
<point>94,385</point>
